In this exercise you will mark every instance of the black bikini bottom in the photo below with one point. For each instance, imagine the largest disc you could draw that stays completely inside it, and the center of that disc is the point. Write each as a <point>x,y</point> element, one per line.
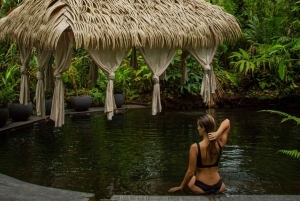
<point>207,188</point>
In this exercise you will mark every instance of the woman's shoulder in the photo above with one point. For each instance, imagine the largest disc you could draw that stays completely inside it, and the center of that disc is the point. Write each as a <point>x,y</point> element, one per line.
<point>194,147</point>
<point>196,144</point>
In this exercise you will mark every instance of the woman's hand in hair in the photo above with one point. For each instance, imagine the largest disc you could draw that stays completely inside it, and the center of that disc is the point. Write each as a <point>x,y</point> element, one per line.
<point>213,136</point>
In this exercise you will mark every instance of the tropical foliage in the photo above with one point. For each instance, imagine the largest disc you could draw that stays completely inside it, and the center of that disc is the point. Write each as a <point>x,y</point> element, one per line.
<point>287,117</point>
<point>266,60</point>
<point>7,85</point>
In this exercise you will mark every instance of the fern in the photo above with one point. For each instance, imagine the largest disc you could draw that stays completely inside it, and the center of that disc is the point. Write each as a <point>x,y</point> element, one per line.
<point>292,153</point>
<point>287,116</point>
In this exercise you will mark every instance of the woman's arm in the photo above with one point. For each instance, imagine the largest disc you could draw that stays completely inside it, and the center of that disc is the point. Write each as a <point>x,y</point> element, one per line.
<point>222,133</point>
<point>191,169</point>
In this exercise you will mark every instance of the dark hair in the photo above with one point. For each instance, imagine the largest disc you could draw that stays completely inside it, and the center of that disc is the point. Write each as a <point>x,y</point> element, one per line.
<point>209,124</point>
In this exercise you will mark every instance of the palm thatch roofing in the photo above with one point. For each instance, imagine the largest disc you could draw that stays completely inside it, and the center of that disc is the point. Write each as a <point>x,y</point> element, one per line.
<point>120,24</point>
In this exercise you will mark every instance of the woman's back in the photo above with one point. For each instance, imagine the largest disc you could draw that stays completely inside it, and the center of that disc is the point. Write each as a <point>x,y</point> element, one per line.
<point>207,166</point>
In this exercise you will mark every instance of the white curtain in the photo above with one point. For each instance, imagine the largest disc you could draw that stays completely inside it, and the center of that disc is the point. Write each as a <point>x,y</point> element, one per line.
<point>157,59</point>
<point>62,56</point>
<point>205,56</point>
<point>44,58</point>
<point>25,54</point>
<point>109,61</point>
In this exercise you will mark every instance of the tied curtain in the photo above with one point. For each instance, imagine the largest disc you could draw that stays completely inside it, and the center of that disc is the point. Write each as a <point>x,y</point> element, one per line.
<point>25,54</point>
<point>44,58</point>
<point>205,56</point>
<point>109,61</point>
<point>62,56</point>
<point>157,59</point>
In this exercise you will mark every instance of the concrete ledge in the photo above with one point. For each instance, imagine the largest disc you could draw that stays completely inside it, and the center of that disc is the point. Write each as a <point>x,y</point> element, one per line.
<point>15,190</point>
<point>207,198</point>
<point>11,125</point>
<point>34,120</point>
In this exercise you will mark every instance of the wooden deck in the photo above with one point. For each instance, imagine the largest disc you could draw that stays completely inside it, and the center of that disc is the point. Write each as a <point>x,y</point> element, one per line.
<point>34,120</point>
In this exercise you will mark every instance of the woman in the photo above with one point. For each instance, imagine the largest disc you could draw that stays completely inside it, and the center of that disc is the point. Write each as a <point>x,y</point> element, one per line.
<point>204,158</point>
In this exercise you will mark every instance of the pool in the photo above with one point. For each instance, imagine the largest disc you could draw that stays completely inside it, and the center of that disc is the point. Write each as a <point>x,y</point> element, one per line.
<point>140,154</point>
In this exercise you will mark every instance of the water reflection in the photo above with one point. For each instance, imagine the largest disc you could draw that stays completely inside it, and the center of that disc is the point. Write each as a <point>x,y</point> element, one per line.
<point>137,153</point>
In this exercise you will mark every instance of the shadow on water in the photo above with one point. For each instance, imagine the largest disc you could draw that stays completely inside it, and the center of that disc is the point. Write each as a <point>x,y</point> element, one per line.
<point>140,154</point>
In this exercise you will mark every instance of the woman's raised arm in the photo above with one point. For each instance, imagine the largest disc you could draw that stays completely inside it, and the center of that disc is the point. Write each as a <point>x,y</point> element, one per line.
<point>222,133</point>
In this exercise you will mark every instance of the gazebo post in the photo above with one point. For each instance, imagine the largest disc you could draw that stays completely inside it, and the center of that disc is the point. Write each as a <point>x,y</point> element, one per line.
<point>184,74</point>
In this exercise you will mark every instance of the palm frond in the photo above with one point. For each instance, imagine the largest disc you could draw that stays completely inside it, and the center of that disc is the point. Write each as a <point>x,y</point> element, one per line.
<point>287,116</point>
<point>292,153</point>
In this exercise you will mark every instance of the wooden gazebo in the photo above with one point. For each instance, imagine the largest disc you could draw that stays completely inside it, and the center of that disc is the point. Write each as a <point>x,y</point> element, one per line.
<point>108,29</point>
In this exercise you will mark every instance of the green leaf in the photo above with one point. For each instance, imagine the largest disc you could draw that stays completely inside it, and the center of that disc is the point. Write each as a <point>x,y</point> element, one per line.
<point>287,116</point>
<point>245,54</point>
<point>232,78</point>
<point>262,85</point>
<point>292,153</point>
<point>281,69</point>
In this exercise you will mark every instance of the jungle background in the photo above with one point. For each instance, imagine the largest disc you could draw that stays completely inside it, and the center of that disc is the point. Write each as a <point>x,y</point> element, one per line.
<point>260,69</point>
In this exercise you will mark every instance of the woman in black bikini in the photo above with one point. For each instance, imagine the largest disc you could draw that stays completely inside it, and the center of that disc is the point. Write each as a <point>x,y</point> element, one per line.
<point>204,158</point>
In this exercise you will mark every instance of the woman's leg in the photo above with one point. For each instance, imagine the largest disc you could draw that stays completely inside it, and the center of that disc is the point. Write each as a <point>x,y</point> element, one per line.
<point>194,188</point>
<point>223,187</point>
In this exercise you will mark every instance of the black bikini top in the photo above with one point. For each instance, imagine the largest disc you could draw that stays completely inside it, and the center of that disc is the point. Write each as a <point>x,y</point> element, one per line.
<point>199,160</point>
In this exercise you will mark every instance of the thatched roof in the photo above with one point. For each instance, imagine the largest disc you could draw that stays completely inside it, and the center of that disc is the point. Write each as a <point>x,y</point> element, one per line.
<point>120,23</point>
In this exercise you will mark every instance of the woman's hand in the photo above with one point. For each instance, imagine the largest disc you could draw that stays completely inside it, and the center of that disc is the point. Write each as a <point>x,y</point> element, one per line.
<point>174,189</point>
<point>213,136</point>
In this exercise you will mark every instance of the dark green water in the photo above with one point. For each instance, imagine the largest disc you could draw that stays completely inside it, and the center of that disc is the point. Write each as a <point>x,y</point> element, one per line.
<point>140,154</point>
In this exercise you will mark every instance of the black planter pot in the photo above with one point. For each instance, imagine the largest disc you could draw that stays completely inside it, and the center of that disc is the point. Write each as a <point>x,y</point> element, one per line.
<point>119,100</point>
<point>19,112</point>
<point>81,103</point>
<point>4,115</point>
<point>48,105</point>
